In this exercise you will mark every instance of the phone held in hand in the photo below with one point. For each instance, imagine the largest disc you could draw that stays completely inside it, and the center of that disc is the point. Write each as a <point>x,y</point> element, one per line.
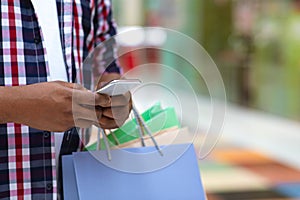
<point>119,87</point>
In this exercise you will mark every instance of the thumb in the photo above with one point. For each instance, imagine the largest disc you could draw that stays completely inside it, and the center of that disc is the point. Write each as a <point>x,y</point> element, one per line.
<point>102,100</point>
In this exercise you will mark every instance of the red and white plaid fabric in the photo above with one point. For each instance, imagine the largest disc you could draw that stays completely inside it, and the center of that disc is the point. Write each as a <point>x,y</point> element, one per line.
<point>27,156</point>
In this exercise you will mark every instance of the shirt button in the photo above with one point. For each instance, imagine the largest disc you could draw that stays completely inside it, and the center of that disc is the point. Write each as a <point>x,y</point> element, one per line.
<point>46,134</point>
<point>49,186</point>
<point>37,40</point>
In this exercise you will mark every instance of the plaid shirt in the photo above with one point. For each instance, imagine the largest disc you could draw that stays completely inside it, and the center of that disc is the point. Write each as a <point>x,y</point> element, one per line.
<point>27,156</point>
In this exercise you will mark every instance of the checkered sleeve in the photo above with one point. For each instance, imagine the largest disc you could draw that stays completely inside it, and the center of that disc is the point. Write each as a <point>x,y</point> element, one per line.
<point>27,157</point>
<point>105,30</point>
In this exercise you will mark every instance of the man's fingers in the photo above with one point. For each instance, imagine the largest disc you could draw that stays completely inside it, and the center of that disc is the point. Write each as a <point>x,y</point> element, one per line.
<point>100,109</point>
<point>87,113</point>
<point>102,100</point>
<point>108,123</point>
<point>81,95</point>
<point>86,97</point>
<point>119,100</point>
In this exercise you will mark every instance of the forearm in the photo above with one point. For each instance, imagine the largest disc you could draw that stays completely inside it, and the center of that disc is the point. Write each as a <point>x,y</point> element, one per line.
<point>8,98</point>
<point>47,106</point>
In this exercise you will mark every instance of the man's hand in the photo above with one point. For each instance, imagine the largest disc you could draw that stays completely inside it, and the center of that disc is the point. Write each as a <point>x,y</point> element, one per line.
<point>52,106</point>
<point>115,114</point>
<point>58,106</point>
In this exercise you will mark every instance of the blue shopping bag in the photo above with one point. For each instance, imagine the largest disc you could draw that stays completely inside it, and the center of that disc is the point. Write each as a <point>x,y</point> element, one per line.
<point>174,176</point>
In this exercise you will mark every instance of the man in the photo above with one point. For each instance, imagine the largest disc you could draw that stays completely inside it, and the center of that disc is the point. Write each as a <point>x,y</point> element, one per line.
<point>34,104</point>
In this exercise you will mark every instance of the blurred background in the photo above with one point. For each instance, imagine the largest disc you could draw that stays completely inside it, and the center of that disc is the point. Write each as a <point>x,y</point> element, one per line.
<point>255,45</point>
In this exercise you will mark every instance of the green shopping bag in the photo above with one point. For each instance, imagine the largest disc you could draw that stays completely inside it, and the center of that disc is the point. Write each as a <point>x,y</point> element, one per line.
<point>156,118</point>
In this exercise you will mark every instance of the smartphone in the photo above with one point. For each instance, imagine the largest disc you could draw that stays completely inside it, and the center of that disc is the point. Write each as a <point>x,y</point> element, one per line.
<point>119,87</point>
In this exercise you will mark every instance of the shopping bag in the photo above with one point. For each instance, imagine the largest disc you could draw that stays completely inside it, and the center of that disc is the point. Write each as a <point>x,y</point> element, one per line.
<point>165,137</point>
<point>86,178</point>
<point>157,119</point>
<point>69,178</point>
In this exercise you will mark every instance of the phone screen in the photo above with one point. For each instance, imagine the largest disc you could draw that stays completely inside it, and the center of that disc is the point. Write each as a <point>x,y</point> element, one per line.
<point>119,87</point>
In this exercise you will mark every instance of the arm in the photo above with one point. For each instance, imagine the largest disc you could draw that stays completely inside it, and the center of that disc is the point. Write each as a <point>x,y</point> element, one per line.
<point>55,106</point>
<point>7,99</point>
